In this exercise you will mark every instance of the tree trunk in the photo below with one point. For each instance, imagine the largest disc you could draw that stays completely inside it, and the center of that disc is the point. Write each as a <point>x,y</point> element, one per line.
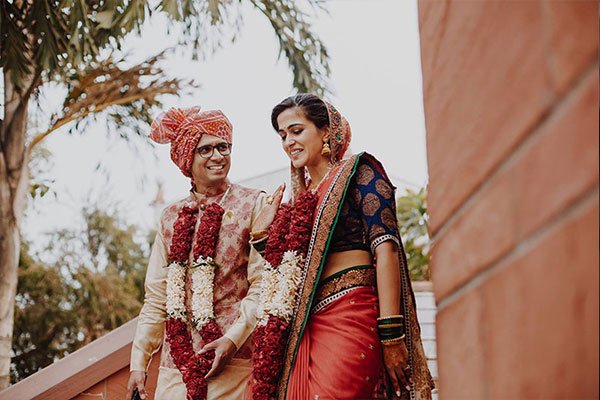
<point>13,185</point>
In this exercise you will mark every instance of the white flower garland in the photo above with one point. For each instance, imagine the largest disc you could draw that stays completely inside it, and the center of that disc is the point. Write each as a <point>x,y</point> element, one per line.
<point>203,277</point>
<point>279,288</point>
<point>176,290</point>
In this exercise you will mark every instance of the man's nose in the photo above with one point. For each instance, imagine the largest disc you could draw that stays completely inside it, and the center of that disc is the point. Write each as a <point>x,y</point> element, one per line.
<point>216,154</point>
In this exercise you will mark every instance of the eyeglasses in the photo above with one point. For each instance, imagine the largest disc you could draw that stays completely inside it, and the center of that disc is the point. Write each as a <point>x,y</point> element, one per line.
<point>207,151</point>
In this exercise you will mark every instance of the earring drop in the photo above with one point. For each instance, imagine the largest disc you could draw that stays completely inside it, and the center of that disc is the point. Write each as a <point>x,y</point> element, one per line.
<point>326,150</point>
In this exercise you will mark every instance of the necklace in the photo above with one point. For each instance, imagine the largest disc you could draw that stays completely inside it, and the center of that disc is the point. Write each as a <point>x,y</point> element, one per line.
<point>193,366</point>
<point>323,179</point>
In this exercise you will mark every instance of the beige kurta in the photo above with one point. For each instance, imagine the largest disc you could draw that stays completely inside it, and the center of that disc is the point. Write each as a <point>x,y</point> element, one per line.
<point>236,297</point>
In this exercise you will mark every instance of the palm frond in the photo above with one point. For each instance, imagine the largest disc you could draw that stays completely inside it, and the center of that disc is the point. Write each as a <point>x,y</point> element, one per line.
<point>15,49</point>
<point>121,94</point>
<point>49,34</point>
<point>306,54</point>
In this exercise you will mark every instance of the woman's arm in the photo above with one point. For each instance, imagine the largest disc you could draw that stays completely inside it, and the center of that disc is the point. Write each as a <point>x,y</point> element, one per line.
<point>388,278</point>
<point>376,200</point>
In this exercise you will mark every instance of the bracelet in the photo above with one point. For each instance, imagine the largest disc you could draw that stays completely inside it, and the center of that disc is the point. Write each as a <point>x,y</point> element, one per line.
<point>391,335</point>
<point>257,235</point>
<point>388,326</point>
<point>381,319</point>
<point>259,246</point>
<point>392,342</point>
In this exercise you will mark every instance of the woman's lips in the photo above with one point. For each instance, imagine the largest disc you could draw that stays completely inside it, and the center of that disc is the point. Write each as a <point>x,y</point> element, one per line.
<point>295,152</point>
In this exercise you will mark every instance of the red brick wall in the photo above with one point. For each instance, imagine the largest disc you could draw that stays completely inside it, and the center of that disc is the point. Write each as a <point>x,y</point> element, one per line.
<point>511,110</point>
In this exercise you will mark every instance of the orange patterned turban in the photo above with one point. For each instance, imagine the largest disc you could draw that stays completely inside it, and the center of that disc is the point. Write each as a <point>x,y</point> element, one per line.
<point>183,128</point>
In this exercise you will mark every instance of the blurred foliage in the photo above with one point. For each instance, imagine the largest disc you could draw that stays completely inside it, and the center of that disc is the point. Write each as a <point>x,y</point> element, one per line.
<point>91,283</point>
<point>411,211</point>
<point>50,39</point>
<point>40,184</point>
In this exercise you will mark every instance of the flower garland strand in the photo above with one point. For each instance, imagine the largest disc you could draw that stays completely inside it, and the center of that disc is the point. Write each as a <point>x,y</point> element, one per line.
<point>285,256</point>
<point>203,277</point>
<point>193,367</point>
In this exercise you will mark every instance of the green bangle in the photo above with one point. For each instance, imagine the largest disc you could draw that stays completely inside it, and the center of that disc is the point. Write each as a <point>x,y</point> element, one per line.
<point>390,331</point>
<point>260,246</point>
<point>390,320</point>
<point>385,331</point>
<point>391,335</point>
<point>391,326</point>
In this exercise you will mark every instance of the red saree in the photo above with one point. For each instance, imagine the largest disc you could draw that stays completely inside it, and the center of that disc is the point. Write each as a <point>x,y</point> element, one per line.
<point>333,350</point>
<point>339,354</point>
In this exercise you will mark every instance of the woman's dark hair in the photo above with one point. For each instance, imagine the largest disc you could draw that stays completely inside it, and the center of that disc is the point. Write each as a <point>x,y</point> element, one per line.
<point>312,106</point>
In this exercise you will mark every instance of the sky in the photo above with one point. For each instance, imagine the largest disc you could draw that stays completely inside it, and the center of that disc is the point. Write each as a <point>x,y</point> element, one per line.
<point>376,81</point>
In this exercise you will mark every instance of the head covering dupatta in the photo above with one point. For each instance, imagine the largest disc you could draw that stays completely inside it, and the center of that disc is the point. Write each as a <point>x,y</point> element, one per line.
<point>340,136</point>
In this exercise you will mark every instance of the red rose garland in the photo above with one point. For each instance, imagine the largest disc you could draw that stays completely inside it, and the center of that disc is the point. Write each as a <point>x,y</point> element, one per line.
<point>289,238</point>
<point>193,367</point>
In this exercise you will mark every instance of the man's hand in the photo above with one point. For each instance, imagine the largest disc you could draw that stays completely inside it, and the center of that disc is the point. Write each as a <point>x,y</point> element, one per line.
<point>224,350</point>
<point>136,380</point>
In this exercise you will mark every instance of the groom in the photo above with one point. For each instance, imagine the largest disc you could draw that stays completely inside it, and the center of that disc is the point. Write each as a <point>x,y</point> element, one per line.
<point>202,271</point>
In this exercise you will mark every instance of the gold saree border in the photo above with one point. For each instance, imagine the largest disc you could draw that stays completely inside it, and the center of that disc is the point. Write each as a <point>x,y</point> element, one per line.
<point>321,235</point>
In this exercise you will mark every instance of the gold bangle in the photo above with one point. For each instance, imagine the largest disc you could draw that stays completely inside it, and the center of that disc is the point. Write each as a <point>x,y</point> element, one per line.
<point>257,235</point>
<point>390,317</point>
<point>392,342</point>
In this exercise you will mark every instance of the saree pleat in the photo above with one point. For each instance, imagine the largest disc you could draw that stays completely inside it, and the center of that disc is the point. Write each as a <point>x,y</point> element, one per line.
<point>339,356</point>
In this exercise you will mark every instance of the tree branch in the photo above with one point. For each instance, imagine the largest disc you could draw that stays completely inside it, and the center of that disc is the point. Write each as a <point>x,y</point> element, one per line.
<point>106,85</point>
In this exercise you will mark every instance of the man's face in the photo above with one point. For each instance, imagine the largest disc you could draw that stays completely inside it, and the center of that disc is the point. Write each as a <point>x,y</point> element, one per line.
<point>211,171</point>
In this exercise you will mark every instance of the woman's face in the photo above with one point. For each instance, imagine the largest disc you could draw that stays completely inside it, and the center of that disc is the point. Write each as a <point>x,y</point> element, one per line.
<point>302,141</point>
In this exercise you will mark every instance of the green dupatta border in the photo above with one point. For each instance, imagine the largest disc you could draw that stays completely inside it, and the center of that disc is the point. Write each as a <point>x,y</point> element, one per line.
<point>322,234</point>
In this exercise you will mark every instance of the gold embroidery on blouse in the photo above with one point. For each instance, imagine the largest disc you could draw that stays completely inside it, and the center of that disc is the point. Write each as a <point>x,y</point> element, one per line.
<point>364,174</point>
<point>371,204</point>
<point>384,189</point>
<point>389,219</point>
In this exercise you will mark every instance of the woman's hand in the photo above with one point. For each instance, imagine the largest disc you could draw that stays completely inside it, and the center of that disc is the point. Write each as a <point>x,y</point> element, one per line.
<point>267,214</point>
<point>224,350</point>
<point>395,358</point>
<point>136,381</point>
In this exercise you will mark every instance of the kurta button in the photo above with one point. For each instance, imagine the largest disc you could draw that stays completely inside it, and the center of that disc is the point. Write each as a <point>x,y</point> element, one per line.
<point>363,355</point>
<point>352,302</point>
<point>371,346</point>
<point>367,378</point>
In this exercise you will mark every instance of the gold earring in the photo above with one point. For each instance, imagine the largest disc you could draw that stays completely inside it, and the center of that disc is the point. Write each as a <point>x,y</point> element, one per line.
<point>326,150</point>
